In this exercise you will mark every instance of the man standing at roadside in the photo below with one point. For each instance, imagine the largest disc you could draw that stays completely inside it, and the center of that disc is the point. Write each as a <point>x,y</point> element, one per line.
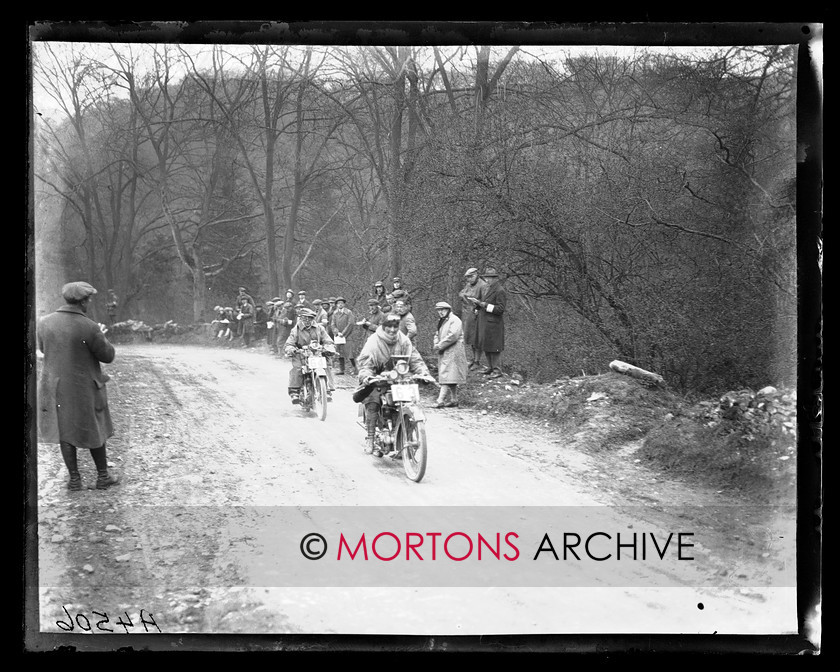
<point>373,319</point>
<point>408,325</point>
<point>491,323</point>
<point>72,400</point>
<point>302,302</point>
<point>343,322</point>
<point>472,290</point>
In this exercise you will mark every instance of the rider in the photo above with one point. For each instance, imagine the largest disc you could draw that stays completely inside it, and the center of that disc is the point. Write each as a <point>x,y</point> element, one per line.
<point>375,358</point>
<point>302,334</point>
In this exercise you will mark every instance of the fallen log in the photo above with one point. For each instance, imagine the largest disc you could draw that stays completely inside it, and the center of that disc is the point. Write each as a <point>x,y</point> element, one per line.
<point>636,372</point>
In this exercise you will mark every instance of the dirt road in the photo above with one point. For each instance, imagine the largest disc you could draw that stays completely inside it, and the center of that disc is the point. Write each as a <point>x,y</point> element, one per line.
<point>209,448</point>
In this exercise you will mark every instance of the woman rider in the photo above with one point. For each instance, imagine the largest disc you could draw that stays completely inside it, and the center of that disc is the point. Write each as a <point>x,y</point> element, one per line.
<point>375,358</point>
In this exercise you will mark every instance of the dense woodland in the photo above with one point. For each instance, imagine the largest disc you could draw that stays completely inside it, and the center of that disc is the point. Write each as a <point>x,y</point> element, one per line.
<point>639,208</point>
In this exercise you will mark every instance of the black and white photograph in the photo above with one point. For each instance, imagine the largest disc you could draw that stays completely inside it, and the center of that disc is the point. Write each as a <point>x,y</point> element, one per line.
<point>444,336</point>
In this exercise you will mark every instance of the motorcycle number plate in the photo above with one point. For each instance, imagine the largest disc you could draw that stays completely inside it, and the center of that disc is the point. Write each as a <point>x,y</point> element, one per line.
<point>405,392</point>
<point>317,362</point>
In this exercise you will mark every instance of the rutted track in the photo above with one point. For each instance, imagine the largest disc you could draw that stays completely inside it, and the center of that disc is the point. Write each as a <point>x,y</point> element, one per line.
<point>213,430</point>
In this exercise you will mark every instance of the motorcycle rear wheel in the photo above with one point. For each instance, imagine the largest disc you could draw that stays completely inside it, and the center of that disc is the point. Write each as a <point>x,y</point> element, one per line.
<point>411,443</point>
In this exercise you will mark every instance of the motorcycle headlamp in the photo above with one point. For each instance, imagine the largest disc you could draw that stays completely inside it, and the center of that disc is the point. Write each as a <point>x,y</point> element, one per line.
<point>393,375</point>
<point>402,368</point>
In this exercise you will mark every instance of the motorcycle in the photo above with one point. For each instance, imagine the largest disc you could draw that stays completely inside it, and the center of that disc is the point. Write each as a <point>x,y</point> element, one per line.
<point>401,425</point>
<point>313,391</point>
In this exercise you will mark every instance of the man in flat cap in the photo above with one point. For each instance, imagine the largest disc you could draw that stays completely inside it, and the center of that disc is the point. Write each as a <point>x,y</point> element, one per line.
<point>72,399</point>
<point>490,305</point>
<point>373,319</point>
<point>303,302</point>
<point>472,289</point>
<point>343,323</point>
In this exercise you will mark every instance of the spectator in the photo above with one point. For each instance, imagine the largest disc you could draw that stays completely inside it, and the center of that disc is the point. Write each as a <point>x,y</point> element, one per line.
<point>246,321</point>
<point>408,325</point>
<point>72,398</point>
<point>270,326</point>
<point>343,322</point>
<point>452,358</point>
<point>379,293</point>
<point>472,290</point>
<point>491,322</point>
<point>374,318</point>
<point>302,301</point>
<point>284,320</point>
<point>321,316</point>
<point>112,307</point>
<point>261,320</point>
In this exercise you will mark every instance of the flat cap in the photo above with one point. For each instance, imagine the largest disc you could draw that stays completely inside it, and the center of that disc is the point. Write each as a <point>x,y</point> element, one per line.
<point>76,291</point>
<point>470,271</point>
<point>378,283</point>
<point>316,302</point>
<point>307,312</point>
<point>397,279</point>
<point>302,291</point>
<point>373,302</point>
<point>442,304</point>
<point>340,298</point>
<point>399,293</point>
<point>490,272</point>
<point>276,299</point>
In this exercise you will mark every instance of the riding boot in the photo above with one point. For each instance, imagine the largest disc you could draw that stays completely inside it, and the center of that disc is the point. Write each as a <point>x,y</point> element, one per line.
<point>294,393</point>
<point>341,366</point>
<point>68,453</point>
<point>371,419</point>
<point>104,480</point>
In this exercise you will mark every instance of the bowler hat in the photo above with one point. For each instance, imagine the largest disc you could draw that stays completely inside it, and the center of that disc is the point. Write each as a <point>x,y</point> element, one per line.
<point>490,272</point>
<point>77,291</point>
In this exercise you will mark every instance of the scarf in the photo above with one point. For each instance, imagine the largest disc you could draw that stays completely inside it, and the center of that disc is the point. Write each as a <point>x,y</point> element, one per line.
<point>390,339</point>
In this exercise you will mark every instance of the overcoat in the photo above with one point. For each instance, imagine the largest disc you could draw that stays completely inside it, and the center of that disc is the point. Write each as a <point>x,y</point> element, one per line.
<point>491,320</point>
<point>468,312</point>
<point>344,322</point>
<point>72,398</point>
<point>452,358</point>
<point>408,326</point>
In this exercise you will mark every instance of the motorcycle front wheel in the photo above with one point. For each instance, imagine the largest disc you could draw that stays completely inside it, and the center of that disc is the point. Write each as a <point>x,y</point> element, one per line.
<point>321,397</point>
<point>411,443</point>
<point>306,394</point>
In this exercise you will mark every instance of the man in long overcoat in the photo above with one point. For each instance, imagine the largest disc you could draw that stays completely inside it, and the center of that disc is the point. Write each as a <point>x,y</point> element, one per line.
<point>452,358</point>
<point>343,323</point>
<point>472,289</point>
<point>491,322</point>
<point>72,399</point>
